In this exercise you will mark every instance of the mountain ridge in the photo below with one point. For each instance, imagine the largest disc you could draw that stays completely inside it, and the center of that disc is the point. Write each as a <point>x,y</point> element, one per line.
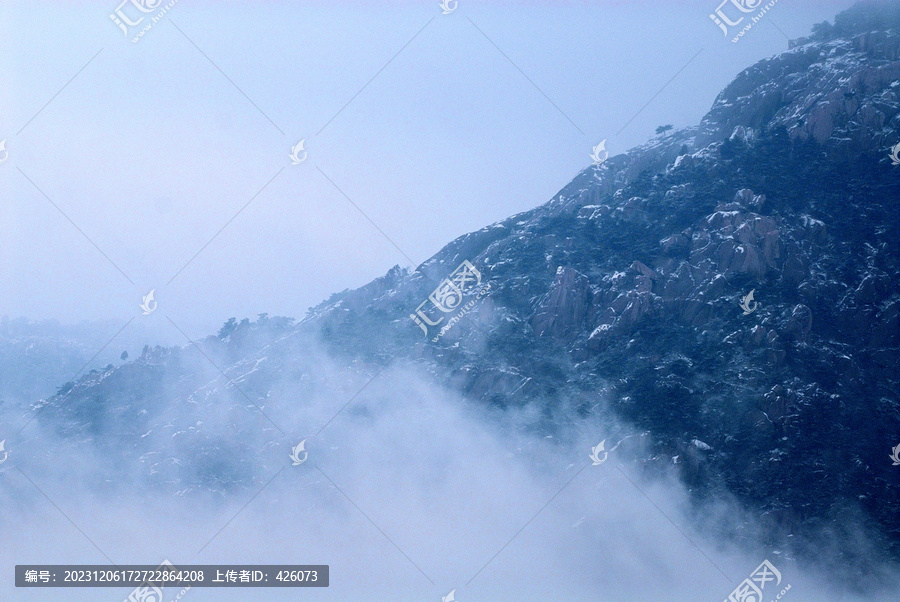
<point>621,296</point>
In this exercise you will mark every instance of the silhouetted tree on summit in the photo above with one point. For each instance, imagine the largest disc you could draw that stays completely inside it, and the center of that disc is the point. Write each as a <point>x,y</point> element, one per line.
<point>227,328</point>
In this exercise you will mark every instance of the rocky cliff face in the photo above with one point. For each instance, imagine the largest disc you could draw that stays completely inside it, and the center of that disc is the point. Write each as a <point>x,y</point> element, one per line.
<point>624,293</point>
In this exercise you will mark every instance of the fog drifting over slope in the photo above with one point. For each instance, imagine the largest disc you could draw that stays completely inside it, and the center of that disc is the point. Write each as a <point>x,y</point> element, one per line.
<point>450,486</point>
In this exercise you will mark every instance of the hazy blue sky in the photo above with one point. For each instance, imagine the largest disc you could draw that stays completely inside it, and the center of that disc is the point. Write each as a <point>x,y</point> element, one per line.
<point>150,150</point>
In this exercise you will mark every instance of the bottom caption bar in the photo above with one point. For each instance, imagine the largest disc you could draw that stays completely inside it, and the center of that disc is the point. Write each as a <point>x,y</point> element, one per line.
<point>167,575</point>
